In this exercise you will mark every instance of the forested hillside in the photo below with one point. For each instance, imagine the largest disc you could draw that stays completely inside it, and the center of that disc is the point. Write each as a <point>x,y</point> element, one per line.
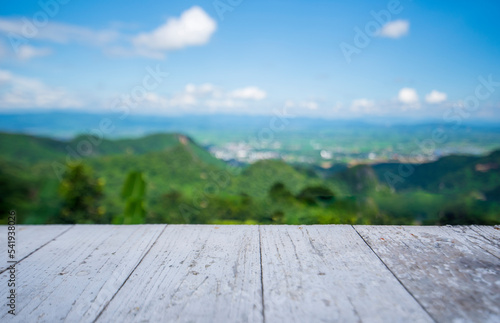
<point>168,178</point>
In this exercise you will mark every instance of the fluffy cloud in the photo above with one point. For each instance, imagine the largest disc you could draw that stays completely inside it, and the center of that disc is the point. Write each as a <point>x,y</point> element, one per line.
<point>193,28</point>
<point>311,105</point>
<point>207,95</point>
<point>362,104</point>
<point>395,29</point>
<point>435,97</point>
<point>26,52</point>
<point>408,96</point>
<point>23,92</point>
<point>203,90</point>
<point>249,93</point>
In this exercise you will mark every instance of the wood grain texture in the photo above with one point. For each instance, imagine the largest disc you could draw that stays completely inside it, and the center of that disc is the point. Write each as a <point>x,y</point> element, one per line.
<point>73,277</point>
<point>490,238</point>
<point>445,269</point>
<point>28,239</point>
<point>194,273</point>
<point>486,238</point>
<point>329,274</point>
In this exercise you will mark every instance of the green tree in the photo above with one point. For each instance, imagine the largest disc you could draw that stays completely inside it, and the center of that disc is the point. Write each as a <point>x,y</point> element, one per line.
<point>279,192</point>
<point>133,193</point>
<point>15,192</point>
<point>81,194</point>
<point>316,195</point>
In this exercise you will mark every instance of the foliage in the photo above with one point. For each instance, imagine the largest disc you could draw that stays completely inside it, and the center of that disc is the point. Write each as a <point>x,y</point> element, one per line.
<point>279,192</point>
<point>15,190</point>
<point>133,193</point>
<point>316,195</point>
<point>81,194</point>
<point>185,184</point>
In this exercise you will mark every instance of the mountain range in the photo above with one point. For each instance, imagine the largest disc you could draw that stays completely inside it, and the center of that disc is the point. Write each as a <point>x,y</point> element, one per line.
<point>186,184</point>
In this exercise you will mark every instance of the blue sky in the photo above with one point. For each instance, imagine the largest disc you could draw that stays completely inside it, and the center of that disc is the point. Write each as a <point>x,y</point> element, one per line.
<point>420,59</point>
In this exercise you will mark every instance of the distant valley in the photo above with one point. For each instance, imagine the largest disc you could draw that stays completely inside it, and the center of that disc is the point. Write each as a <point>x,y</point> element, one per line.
<point>185,183</point>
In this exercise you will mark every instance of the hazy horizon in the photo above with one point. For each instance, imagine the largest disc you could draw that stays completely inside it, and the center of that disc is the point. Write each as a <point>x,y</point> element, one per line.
<point>400,60</point>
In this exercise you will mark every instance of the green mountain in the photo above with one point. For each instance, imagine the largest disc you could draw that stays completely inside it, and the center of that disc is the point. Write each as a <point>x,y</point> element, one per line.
<point>136,146</point>
<point>360,179</point>
<point>450,174</point>
<point>30,149</point>
<point>33,149</point>
<point>257,179</point>
<point>184,183</point>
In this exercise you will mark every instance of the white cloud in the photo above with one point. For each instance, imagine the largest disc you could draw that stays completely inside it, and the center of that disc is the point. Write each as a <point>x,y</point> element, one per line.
<point>289,104</point>
<point>195,97</point>
<point>182,99</point>
<point>3,50</point>
<point>23,92</point>
<point>225,103</point>
<point>5,76</point>
<point>362,104</point>
<point>395,29</point>
<point>408,96</point>
<point>310,105</point>
<point>54,32</point>
<point>27,52</point>
<point>193,28</point>
<point>153,99</point>
<point>249,93</point>
<point>436,97</point>
<point>205,89</point>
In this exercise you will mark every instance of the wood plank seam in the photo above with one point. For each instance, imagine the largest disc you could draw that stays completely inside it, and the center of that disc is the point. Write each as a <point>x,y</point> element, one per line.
<point>451,276</point>
<point>60,234</point>
<point>202,273</point>
<point>328,274</point>
<point>486,238</point>
<point>130,274</point>
<point>397,278</point>
<point>262,278</point>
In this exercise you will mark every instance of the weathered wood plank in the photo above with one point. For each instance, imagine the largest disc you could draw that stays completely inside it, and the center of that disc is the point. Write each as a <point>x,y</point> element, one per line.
<point>28,239</point>
<point>452,277</point>
<point>329,274</point>
<point>487,238</point>
<point>194,274</point>
<point>200,273</point>
<point>490,232</point>
<point>78,273</point>
<point>491,236</point>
